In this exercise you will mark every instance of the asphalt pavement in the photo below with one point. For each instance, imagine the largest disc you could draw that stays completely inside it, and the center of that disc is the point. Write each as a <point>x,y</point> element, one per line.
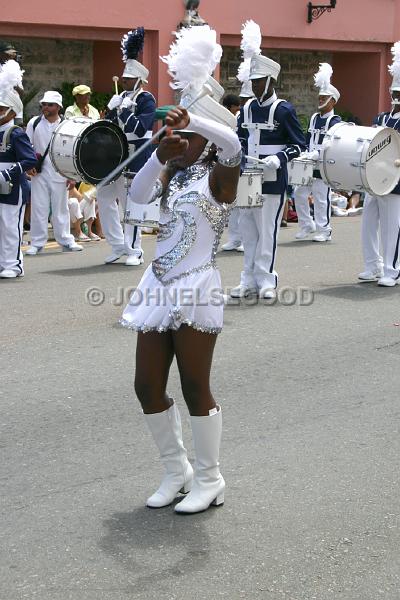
<point>309,388</point>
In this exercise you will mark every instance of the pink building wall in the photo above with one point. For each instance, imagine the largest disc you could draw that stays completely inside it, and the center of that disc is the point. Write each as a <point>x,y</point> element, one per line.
<point>358,32</point>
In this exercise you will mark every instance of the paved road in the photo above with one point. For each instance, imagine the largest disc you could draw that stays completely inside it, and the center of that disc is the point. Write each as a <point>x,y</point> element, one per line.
<point>310,450</point>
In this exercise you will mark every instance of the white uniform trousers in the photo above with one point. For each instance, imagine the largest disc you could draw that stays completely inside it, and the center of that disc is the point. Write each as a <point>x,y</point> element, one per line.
<point>383,211</point>
<point>49,195</point>
<point>233,226</point>
<point>259,228</point>
<point>128,239</point>
<point>322,206</point>
<point>11,231</point>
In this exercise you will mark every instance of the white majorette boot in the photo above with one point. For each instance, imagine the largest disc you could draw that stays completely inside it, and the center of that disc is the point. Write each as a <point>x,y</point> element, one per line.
<point>166,430</point>
<point>208,484</point>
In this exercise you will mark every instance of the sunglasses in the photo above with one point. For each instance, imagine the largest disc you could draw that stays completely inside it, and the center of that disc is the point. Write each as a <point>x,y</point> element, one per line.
<point>49,104</point>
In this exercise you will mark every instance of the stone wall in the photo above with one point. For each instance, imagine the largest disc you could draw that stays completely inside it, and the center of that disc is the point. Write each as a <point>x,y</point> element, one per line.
<point>295,84</point>
<point>49,63</point>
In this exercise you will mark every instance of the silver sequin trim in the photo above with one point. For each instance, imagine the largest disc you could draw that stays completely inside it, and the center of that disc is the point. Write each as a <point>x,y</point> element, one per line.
<point>166,262</point>
<point>182,180</point>
<point>173,326</point>
<point>234,161</point>
<point>215,215</point>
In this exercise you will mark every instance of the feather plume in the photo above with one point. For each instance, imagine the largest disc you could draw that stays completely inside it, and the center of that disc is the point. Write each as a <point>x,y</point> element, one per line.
<point>322,79</point>
<point>11,75</point>
<point>193,57</point>
<point>251,39</point>
<point>394,68</point>
<point>132,44</point>
<point>244,70</point>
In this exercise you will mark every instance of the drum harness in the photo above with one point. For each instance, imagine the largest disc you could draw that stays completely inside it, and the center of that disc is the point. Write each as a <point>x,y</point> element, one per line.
<point>315,133</point>
<point>254,147</point>
<point>41,157</point>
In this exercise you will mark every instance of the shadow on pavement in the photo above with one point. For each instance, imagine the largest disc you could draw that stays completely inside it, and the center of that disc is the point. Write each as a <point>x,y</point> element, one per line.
<point>359,292</point>
<point>94,269</point>
<point>157,545</point>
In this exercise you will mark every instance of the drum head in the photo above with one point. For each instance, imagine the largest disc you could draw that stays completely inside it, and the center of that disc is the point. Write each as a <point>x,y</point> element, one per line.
<point>381,171</point>
<point>101,147</point>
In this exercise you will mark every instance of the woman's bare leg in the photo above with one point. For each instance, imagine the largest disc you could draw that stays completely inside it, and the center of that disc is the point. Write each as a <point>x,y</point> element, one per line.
<point>154,355</point>
<point>194,352</point>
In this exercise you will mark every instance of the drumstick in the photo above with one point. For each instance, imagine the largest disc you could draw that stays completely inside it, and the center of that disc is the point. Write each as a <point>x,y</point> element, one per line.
<point>111,176</point>
<point>115,80</point>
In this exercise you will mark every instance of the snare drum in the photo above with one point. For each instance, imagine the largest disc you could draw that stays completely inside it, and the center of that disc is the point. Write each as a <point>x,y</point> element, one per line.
<point>143,215</point>
<point>87,151</point>
<point>360,158</point>
<point>249,190</point>
<point>300,171</point>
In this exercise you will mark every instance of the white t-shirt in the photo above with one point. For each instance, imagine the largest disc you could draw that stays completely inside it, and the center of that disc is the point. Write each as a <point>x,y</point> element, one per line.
<point>40,138</point>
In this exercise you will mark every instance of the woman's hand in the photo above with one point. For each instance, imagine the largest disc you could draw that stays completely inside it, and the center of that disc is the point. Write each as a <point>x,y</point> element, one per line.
<point>171,146</point>
<point>177,118</point>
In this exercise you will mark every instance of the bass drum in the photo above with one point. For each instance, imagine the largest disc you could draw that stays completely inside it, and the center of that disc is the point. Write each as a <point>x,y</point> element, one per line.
<point>361,158</point>
<point>87,151</point>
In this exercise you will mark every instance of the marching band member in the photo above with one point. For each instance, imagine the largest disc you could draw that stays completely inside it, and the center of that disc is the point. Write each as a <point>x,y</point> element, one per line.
<point>384,211</point>
<point>170,323</point>
<point>234,236</point>
<point>133,111</point>
<point>16,157</point>
<point>232,103</point>
<point>269,130</point>
<point>319,124</point>
<point>48,187</point>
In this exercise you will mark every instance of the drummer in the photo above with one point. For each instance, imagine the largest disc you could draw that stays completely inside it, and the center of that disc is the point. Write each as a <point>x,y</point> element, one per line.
<point>383,212</point>
<point>269,130</point>
<point>82,106</point>
<point>319,124</point>
<point>49,189</point>
<point>133,111</point>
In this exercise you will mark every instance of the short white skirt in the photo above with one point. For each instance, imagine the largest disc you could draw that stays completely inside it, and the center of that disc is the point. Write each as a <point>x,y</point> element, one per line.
<point>195,300</point>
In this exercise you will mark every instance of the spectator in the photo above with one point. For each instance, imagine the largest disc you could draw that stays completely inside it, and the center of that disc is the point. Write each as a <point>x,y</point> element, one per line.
<point>82,210</point>
<point>82,106</point>
<point>232,103</point>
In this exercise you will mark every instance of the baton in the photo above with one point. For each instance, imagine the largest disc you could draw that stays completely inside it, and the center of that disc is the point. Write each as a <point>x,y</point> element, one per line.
<point>111,176</point>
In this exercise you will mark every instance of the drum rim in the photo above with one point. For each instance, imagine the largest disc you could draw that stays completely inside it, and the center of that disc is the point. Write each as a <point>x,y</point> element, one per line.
<point>78,142</point>
<point>364,176</point>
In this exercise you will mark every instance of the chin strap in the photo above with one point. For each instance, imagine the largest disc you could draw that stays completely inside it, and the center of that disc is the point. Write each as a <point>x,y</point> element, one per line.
<point>325,103</point>
<point>265,90</point>
<point>395,101</point>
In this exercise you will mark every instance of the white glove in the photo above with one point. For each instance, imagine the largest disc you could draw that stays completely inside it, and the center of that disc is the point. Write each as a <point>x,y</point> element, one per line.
<point>127,103</point>
<point>114,102</point>
<point>2,178</point>
<point>312,155</point>
<point>272,162</point>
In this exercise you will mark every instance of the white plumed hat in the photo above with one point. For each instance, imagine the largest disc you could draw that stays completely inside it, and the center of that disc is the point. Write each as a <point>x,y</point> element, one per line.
<point>132,45</point>
<point>11,77</point>
<point>191,61</point>
<point>394,68</point>
<point>322,80</point>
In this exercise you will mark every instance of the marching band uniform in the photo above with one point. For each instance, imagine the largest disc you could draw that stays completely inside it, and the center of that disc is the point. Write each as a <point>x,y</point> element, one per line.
<point>16,157</point>
<point>319,124</point>
<point>269,130</point>
<point>384,211</point>
<point>134,112</point>
<point>234,236</point>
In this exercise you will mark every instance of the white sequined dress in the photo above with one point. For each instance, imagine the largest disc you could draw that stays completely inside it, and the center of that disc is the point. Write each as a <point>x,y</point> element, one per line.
<point>182,286</point>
